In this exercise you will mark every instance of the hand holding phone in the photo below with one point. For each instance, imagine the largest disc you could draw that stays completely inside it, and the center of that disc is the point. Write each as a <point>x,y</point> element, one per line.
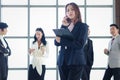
<point>68,20</point>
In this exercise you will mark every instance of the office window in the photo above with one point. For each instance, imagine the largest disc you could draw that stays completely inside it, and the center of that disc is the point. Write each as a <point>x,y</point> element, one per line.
<point>14,2</point>
<point>43,2</point>
<point>19,53</point>
<point>99,2</point>
<point>16,18</point>
<point>50,75</point>
<point>100,59</point>
<point>24,16</point>
<point>44,18</point>
<point>17,75</point>
<point>64,2</point>
<point>97,74</point>
<point>99,20</point>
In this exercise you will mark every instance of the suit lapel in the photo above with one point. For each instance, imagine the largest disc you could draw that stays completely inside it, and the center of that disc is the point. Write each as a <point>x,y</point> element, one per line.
<point>1,44</point>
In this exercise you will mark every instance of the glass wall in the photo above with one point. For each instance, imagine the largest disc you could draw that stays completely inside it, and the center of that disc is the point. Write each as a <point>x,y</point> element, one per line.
<point>24,16</point>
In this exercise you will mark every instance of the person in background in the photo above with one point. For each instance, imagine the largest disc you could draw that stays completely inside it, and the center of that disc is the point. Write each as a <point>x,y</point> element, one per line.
<point>71,59</point>
<point>39,53</point>
<point>5,51</point>
<point>89,56</point>
<point>113,53</point>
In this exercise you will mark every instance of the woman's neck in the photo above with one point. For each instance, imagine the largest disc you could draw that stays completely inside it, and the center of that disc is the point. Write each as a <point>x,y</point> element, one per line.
<point>39,42</point>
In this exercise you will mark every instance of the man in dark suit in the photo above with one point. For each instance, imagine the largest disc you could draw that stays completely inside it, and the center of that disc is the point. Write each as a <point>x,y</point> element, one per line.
<point>89,56</point>
<point>4,52</point>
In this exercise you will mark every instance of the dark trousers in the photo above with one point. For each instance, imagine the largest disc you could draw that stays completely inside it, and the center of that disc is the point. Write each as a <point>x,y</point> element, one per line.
<point>71,72</point>
<point>86,73</point>
<point>33,74</point>
<point>3,67</point>
<point>4,73</point>
<point>115,72</point>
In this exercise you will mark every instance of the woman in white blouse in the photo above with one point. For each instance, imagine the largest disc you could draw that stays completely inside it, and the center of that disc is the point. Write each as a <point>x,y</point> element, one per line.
<point>39,53</point>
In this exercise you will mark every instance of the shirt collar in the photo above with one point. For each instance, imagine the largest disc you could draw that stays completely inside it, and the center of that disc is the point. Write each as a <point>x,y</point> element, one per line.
<point>115,36</point>
<point>1,36</point>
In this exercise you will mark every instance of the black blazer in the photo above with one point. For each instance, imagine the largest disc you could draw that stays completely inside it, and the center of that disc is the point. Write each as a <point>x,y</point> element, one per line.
<point>89,54</point>
<point>72,51</point>
<point>4,50</point>
<point>4,60</point>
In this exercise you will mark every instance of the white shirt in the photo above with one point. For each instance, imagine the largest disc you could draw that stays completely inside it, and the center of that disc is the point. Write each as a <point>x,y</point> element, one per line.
<point>3,41</point>
<point>70,27</point>
<point>39,56</point>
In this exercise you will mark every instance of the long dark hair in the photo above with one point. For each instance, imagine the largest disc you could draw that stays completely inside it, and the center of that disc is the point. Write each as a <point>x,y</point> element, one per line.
<point>77,10</point>
<point>43,40</point>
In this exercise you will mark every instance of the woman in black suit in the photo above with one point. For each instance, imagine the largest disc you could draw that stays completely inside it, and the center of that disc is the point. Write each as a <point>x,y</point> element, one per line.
<point>4,52</point>
<point>71,59</point>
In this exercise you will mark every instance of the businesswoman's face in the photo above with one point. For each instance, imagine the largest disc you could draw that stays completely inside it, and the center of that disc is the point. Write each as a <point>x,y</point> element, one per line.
<point>3,31</point>
<point>70,12</point>
<point>38,35</point>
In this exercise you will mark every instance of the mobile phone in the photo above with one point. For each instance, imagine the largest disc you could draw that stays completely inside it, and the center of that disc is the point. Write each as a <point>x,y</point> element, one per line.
<point>68,20</point>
